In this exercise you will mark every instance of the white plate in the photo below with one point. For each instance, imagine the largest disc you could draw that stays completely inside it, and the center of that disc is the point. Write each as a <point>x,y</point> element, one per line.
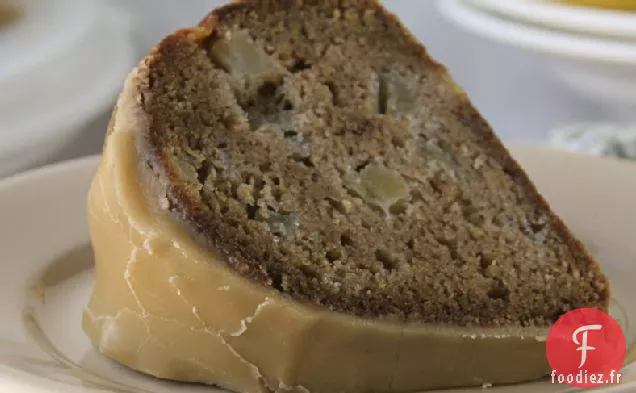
<point>46,105</point>
<point>601,70</point>
<point>46,271</point>
<point>577,19</point>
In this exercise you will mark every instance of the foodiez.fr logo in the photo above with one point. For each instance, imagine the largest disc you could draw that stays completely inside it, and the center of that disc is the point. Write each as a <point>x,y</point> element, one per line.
<point>586,348</point>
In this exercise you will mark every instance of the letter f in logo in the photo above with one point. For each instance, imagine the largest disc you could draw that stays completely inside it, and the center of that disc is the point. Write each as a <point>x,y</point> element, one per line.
<point>583,343</point>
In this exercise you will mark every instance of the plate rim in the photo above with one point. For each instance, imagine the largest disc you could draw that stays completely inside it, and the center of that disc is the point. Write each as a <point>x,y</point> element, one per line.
<point>54,169</point>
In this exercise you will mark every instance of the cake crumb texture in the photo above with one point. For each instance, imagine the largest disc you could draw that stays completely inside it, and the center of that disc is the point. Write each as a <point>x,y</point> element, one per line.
<point>318,146</point>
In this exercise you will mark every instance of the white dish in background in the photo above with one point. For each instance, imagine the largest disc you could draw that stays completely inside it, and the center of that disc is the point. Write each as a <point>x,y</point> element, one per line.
<point>556,43</point>
<point>45,28</point>
<point>49,93</point>
<point>46,271</point>
<point>600,69</point>
<point>562,16</point>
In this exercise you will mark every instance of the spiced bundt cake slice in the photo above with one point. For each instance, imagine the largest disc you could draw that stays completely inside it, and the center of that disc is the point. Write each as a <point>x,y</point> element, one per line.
<point>317,152</point>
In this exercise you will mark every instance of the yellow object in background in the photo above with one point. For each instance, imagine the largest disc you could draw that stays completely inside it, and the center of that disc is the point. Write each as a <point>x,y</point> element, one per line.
<point>8,14</point>
<point>619,5</point>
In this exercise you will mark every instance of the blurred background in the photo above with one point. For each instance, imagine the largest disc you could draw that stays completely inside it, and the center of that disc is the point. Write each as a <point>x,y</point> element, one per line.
<point>540,71</point>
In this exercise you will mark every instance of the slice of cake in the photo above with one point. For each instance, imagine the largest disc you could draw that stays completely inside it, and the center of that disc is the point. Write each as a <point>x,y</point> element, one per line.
<point>295,198</point>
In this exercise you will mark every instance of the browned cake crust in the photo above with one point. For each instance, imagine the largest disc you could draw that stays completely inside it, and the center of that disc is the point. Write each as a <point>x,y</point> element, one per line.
<point>326,155</point>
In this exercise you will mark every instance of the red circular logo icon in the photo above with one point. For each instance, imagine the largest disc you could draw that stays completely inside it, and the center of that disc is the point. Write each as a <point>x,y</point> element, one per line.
<point>586,348</point>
